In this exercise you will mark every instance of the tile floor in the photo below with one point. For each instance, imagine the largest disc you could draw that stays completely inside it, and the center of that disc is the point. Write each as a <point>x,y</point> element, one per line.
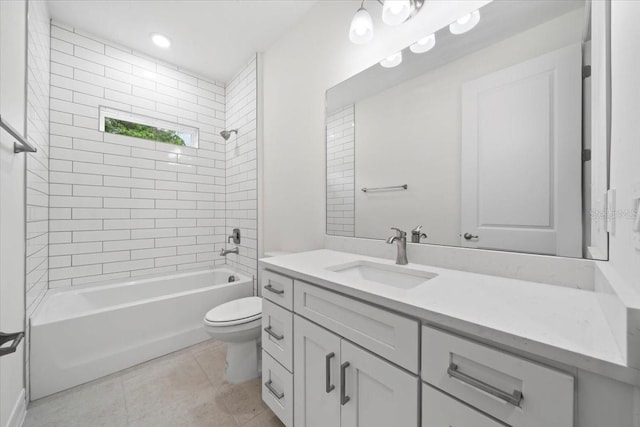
<point>185,388</point>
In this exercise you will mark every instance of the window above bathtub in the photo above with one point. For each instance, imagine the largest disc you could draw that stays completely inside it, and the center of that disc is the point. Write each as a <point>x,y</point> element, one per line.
<point>145,127</point>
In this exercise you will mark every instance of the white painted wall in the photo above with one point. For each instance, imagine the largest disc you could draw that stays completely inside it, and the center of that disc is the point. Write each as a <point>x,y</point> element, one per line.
<point>13,108</point>
<point>411,134</point>
<point>314,56</point>
<point>625,136</point>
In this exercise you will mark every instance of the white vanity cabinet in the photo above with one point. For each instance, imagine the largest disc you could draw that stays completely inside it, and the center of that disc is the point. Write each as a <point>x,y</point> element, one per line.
<point>340,384</point>
<point>331,360</point>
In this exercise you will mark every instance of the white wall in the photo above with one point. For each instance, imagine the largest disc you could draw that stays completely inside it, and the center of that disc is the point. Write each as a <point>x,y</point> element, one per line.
<point>13,108</point>
<point>315,55</point>
<point>411,134</point>
<point>242,167</point>
<point>38,163</point>
<point>625,136</point>
<point>121,206</point>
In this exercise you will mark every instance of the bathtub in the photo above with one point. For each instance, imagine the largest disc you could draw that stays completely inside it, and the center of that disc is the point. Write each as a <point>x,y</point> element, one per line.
<point>83,333</point>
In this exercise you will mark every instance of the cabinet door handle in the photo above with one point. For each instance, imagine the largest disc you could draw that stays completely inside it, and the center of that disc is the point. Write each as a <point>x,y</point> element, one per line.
<point>328,386</point>
<point>274,290</point>
<point>343,383</point>
<point>273,334</point>
<point>514,398</point>
<point>273,391</point>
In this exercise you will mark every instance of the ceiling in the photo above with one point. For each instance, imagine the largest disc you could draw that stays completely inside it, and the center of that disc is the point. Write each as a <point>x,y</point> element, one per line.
<point>213,38</point>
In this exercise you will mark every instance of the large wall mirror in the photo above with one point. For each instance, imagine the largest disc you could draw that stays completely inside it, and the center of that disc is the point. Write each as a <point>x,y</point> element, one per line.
<point>484,139</point>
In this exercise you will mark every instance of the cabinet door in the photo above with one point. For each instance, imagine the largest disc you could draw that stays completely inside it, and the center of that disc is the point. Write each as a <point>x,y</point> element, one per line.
<point>317,376</point>
<point>375,393</point>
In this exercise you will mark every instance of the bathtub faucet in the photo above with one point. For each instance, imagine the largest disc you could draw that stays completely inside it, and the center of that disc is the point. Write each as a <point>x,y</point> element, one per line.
<point>225,252</point>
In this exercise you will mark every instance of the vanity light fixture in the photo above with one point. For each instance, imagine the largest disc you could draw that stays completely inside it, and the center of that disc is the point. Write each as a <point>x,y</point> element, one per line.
<point>424,45</point>
<point>465,23</point>
<point>160,40</point>
<point>392,61</point>
<point>361,30</point>
<point>394,12</point>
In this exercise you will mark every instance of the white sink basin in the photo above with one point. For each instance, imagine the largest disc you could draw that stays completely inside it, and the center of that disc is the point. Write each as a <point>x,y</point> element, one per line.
<point>390,275</point>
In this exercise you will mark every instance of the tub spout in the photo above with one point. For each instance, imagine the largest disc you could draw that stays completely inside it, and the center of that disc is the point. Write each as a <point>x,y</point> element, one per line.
<point>225,252</point>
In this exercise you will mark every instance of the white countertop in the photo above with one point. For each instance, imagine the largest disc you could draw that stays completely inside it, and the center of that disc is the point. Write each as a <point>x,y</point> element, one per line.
<point>562,324</point>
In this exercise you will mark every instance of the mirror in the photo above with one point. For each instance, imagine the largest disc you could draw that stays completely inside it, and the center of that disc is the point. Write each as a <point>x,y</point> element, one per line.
<point>479,140</point>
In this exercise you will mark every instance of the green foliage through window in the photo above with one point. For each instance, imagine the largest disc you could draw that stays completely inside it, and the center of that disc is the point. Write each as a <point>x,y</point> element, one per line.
<point>122,127</point>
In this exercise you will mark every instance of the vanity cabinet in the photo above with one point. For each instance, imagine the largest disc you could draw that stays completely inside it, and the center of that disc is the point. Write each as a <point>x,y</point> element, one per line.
<point>340,384</point>
<point>331,360</point>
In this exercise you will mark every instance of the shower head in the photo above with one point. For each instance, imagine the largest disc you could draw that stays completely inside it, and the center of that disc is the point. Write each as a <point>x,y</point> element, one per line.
<point>226,134</point>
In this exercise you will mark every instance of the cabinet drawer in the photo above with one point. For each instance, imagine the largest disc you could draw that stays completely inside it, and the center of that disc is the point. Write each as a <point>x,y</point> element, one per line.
<point>438,409</point>
<point>277,288</point>
<point>277,389</point>
<point>384,333</point>
<point>513,390</point>
<point>277,333</point>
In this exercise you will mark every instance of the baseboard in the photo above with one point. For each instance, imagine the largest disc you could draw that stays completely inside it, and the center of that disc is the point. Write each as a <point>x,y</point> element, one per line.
<point>19,411</point>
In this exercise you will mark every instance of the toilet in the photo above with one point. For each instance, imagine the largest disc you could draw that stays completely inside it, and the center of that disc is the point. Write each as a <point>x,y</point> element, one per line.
<point>238,323</point>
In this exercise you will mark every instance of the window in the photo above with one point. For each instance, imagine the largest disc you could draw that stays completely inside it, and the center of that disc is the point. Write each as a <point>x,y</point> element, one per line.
<point>138,126</point>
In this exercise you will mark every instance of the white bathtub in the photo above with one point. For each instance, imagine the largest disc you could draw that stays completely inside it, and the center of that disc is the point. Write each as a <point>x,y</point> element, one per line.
<point>83,333</point>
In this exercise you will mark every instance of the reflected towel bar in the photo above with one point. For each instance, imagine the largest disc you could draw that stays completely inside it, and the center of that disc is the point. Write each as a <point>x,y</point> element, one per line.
<point>21,145</point>
<point>392,188</point>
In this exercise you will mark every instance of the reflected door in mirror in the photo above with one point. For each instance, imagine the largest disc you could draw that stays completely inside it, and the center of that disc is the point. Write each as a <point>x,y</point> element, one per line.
<point>521,157</point>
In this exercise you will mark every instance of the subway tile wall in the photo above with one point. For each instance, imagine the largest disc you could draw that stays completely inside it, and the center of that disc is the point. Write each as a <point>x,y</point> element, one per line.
<point>37,195</point>
<point>341,172</point>
<point>122,207</point>
<point>241,167</point>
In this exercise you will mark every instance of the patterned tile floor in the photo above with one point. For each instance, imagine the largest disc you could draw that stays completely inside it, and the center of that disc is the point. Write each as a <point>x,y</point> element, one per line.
<point>185,388</point>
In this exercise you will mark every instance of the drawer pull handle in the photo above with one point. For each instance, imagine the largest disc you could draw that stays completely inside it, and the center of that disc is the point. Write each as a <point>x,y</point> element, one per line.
<point>274,290</point>
<point>343,383</point>
<point>273,334</point>
<point>514,398</point>
<point>329,387</point>
<point>273,391</point>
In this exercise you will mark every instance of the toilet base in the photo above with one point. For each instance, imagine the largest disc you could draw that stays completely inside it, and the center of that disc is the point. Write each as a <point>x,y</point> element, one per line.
<point>242,361</point>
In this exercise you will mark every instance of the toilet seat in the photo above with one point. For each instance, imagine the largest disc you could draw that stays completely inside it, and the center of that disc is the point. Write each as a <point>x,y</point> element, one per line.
<point>236,312</point>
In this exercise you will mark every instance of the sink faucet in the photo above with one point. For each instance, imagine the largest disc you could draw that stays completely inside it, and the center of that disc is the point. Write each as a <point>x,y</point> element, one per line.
<point>416,235</point>
<point>225,252</point>
<point>401,240</point>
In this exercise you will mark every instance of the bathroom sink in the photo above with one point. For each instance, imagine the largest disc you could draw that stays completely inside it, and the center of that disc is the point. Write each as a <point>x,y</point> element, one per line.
<point>385,274</point>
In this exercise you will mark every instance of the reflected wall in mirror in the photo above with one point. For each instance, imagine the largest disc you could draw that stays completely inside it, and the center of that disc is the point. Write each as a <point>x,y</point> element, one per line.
<point>479,140</point>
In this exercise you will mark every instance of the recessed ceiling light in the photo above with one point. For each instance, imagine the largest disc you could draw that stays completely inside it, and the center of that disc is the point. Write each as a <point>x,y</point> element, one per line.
<point>160,40</point>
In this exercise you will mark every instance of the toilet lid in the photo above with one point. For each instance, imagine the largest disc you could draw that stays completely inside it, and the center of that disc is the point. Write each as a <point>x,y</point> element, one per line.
<point>236,312</point>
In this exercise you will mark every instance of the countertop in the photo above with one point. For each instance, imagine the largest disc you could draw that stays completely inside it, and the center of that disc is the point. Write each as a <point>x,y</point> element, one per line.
<point>558,323</point>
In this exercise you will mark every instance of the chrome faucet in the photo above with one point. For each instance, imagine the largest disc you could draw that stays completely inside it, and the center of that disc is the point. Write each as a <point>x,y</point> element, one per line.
<point>225,252</point>
<point>416,235</point>
<point>401,240</point>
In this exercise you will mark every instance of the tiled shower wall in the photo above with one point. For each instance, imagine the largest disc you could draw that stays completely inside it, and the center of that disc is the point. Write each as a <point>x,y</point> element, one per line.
<point>241,167</point>
<point>341,172</point>
<point>37,196</point>
<point>121,206</point>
